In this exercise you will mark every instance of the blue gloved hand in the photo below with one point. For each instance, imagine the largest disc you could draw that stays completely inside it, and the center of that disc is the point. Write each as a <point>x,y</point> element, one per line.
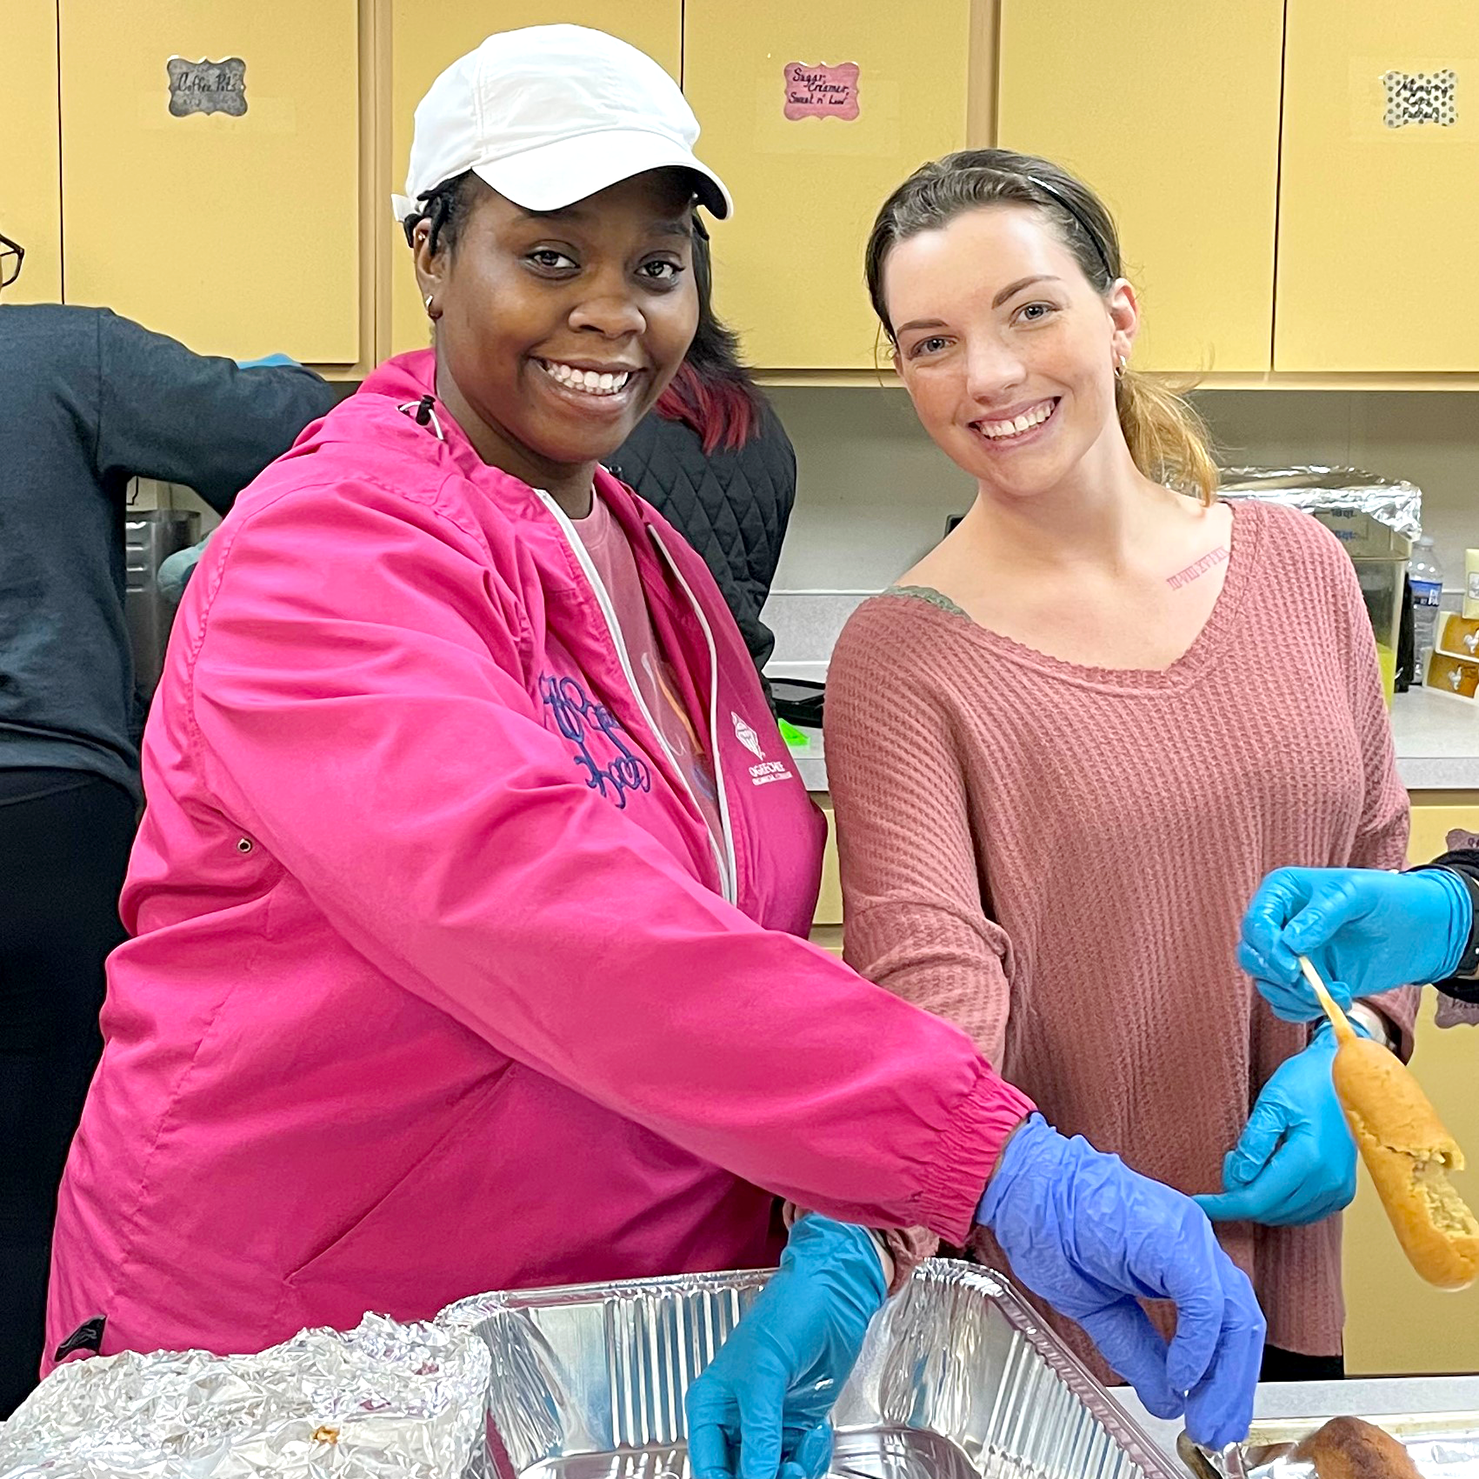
<point>1370,929</point>
<point>1295,1161</point>
<point>1093,1238</point>
<point>268,361</point>
<point>175,570</point>
<point>761,1406</point>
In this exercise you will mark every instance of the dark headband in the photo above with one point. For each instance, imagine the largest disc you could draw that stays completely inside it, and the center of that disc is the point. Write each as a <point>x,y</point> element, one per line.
<point>1059,198</point>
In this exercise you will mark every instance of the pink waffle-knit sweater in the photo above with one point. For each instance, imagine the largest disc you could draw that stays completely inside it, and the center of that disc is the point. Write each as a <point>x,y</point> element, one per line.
<point>1057,859</point>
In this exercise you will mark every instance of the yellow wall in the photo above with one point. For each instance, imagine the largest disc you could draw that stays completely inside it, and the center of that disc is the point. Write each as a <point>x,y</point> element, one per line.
<point>30,171</point>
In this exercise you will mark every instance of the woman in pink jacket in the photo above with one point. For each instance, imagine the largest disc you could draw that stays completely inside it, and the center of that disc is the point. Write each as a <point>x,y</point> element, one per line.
<point>469,907</point>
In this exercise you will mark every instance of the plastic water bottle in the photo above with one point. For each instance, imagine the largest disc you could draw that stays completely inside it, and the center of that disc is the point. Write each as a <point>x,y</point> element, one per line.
<point>1426,575</point>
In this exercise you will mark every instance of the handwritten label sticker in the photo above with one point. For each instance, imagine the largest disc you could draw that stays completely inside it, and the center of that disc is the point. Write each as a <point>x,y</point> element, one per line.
<point>207,87</point>
<point>821,91</point>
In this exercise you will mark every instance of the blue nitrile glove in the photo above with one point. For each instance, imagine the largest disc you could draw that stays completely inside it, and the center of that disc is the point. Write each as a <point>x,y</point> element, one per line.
<point>1295,1161</point>
<point>267,360</point>
<point>1370,929</point>
<point>176,569</point>
<point>1093,1238</point>
<point>764,1399</point>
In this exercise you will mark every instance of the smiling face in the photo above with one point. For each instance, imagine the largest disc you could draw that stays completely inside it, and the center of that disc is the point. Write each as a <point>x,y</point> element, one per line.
<point>557,331</point>
<point>1006,348</point>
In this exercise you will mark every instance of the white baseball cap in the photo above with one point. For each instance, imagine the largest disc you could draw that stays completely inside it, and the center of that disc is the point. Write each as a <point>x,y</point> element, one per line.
<point>548,115</point>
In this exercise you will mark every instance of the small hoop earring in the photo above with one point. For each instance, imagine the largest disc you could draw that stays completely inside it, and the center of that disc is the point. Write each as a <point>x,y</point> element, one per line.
<point>426,303</point>
<point>1119,369</point>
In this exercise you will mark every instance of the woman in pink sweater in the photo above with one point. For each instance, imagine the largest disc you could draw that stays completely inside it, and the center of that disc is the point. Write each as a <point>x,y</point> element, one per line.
<point>1066,748</point>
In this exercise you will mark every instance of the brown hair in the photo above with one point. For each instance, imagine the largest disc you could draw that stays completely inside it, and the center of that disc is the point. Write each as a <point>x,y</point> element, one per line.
<point>1166,437</point>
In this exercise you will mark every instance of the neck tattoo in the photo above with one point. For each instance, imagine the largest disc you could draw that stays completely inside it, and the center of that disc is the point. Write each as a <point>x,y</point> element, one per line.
<point>1210,561</point>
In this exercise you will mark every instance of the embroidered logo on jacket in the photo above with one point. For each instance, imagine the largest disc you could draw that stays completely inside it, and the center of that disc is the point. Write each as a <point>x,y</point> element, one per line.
<point>584,722</point>
<point>747,736</point>
<point>767,770</point>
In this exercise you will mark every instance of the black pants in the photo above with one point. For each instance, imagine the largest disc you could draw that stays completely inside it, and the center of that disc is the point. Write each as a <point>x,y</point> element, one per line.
<point>1291,1366</point>
<point>64,841</point>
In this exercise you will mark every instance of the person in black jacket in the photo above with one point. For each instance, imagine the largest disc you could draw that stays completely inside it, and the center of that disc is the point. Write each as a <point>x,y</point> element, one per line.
<point>1366,931</point>
<point>713,458</point>
<point>90,401</point>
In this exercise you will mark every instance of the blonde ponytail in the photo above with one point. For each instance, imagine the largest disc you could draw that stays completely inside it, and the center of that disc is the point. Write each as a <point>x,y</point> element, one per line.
<point>1166,437</point>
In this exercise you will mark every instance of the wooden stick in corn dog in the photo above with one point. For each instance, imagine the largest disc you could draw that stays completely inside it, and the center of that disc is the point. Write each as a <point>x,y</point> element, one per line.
<point>1406,1150</point>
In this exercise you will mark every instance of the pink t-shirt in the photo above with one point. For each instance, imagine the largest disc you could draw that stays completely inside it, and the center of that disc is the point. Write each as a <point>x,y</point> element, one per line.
<point>606,544</point>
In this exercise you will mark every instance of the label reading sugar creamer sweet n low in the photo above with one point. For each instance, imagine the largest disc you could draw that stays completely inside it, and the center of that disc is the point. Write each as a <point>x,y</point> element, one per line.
<point>819,91</point>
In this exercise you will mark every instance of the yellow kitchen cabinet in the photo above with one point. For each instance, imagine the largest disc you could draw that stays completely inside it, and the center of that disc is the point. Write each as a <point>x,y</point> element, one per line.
<point>426,39</point>
<point>829,937</point>
<point>1378,212</point>
<point>219,208</point>
<point>1169,109</point>
<point>1434,815</point>
<point>1394,1322</point>
<point>829,900</point>
<point>30,167</point>
<point>880,89</point>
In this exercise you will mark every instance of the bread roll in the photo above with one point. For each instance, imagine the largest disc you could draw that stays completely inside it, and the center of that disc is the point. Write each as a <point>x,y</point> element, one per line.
<point>1347,1448</point>
<point>1409,1155</point>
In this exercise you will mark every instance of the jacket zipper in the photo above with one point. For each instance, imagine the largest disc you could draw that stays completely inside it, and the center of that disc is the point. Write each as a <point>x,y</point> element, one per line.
<point>724,859</point>
<point>726,825</point>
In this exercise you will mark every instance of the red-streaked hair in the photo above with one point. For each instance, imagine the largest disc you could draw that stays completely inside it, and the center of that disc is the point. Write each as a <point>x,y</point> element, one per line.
<point>721,411</point>
<point>712,393</point>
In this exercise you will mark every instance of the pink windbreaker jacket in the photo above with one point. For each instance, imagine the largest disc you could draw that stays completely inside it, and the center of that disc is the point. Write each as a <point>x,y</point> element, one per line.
<point>438,983</point>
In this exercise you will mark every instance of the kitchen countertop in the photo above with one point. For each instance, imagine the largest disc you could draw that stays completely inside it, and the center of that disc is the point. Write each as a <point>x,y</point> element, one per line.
<point>1360,1397</point>
<point>1437,739</point>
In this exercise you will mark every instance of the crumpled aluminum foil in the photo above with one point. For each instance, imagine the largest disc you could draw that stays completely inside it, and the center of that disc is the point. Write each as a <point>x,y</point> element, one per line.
<point>1393,502</point>
<point>1454,1456</point>
<point>382,1400</point>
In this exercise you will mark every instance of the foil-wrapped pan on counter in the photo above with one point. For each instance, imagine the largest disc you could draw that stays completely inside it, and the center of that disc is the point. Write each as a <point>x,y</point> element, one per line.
<point>383,1401</point>
<point>1391,501</point>
<point>957,1379</point>
<point>1442,1445</point>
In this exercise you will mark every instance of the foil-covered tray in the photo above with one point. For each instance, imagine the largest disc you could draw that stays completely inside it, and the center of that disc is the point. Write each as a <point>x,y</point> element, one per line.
<point>1390,501</point>
<point>1443,1445</point>
<point>958,1379</point>
<point>382,1401</point>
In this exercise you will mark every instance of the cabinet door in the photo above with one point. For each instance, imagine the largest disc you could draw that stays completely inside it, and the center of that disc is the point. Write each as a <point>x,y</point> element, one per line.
<point>222,211</point>
<point>1378,213</point>
<point>1169,109</point>
<point>30,166</point>
<point>423,44</point>
<point>809,158</point>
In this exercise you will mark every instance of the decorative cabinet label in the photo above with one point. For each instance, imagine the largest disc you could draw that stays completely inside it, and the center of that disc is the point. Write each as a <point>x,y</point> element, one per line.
<point>821,91</point>
<point>207,87</point>
<point>1421,97</point>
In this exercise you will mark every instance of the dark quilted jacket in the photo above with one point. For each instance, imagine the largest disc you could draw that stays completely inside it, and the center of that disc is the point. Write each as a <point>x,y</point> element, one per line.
<point>731,506</point>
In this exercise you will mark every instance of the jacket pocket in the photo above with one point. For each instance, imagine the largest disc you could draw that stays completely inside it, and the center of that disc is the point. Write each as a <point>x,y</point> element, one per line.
<point>419,1239</point>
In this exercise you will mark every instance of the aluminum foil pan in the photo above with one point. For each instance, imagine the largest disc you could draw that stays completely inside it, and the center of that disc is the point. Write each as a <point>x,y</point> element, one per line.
<point>379,1401</point>
<point>957,1379</point>
<point>1443,1445</point>
<point>1395,503</point>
